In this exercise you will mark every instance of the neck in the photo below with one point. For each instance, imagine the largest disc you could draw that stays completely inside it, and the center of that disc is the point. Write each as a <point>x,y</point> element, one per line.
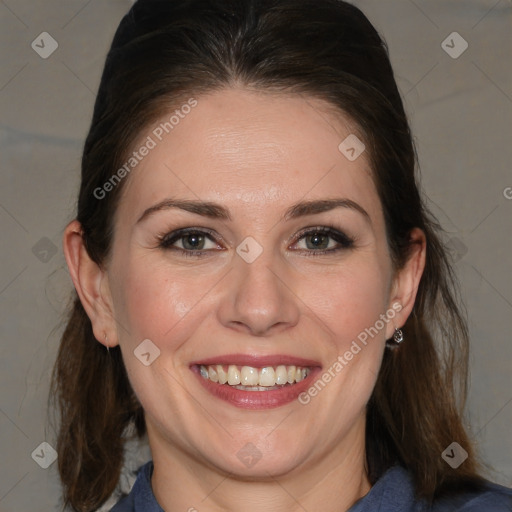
<point>332,481</point>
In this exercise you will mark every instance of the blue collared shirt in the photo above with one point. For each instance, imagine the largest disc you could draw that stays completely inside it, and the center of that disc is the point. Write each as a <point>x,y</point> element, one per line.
<point>393,492</point>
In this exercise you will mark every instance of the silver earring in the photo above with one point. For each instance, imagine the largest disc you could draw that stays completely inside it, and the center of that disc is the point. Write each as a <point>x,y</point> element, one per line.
<point>106,341</point>
<point>398,338</point>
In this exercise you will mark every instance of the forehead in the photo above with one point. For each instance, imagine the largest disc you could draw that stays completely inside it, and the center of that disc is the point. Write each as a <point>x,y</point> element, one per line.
<point>255,152</point>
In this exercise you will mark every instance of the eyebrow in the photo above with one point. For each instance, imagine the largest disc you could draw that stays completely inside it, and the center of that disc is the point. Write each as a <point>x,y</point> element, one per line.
<point>216,211</point>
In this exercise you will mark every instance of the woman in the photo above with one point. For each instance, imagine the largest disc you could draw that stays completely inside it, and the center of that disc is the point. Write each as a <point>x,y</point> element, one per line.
<point>260,288</point>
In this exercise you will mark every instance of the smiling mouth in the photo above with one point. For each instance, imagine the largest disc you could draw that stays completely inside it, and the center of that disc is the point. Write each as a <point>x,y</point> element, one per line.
<point>249,378</point>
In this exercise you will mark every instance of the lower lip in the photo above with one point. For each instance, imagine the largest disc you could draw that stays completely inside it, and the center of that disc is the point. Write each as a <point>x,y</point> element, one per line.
<point>257,399</point>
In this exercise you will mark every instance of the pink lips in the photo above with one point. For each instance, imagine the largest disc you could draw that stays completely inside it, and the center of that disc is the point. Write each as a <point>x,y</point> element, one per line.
<point>257,399</point>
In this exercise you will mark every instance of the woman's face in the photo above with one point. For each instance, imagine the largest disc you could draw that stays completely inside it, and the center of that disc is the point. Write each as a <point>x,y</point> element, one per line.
<point>251,285</point>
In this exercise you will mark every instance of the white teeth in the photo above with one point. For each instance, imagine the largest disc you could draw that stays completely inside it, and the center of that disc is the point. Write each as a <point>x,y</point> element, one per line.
<point>233,375</point>
<point>281,375</point>
<point>249,376</point>
<point>223,376</point>
<point>254,379</point>
<point>212,374</point>
<point>267,376</point>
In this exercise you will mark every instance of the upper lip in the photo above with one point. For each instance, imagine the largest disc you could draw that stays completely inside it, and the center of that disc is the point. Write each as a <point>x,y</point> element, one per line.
<point>257,361</point>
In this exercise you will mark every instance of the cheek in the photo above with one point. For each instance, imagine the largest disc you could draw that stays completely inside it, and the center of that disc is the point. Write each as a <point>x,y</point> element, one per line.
<point>154,302</point>
<point>161,306</point>
<point>349,300</point>
<point>349,304</point>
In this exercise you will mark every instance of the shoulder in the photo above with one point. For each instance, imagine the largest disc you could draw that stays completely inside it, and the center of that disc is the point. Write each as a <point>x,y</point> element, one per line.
<point>394,491</point>
<point>491,498</point>
<point>141,496</point>
<point>125,504</point>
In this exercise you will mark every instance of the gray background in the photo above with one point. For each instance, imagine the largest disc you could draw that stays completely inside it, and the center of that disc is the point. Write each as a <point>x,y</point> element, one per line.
<point>461,115</point>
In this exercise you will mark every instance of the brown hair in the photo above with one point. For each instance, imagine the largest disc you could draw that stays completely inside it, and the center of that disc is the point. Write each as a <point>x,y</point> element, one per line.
<point>166,50</point>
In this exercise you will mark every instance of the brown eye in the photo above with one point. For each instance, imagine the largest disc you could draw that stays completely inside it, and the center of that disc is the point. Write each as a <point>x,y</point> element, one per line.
<point>317,241</point>
<point>188,241</point>
<point>325,240</point>
<point>193,241</point>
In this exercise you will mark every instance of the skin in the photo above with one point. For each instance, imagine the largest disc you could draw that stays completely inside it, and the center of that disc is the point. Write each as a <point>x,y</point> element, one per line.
<point>255,154</point>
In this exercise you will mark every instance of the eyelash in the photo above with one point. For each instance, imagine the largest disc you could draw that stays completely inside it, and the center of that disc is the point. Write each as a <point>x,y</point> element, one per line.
<point>166,240</point>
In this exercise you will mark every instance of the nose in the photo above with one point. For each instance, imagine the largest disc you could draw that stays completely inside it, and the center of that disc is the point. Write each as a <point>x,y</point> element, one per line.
<point>258,298</point>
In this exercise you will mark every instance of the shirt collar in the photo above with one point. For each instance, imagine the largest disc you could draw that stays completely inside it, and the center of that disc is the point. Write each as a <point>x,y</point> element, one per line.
<point>394,490</point>
<point>144,499</point>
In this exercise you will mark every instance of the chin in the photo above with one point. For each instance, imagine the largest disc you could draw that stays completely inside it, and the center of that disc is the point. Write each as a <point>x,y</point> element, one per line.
<point>259,459</point>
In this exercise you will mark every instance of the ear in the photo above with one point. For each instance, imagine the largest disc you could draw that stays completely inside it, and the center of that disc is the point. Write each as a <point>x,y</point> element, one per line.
<point>407,280</point>
<point>91,284</point>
